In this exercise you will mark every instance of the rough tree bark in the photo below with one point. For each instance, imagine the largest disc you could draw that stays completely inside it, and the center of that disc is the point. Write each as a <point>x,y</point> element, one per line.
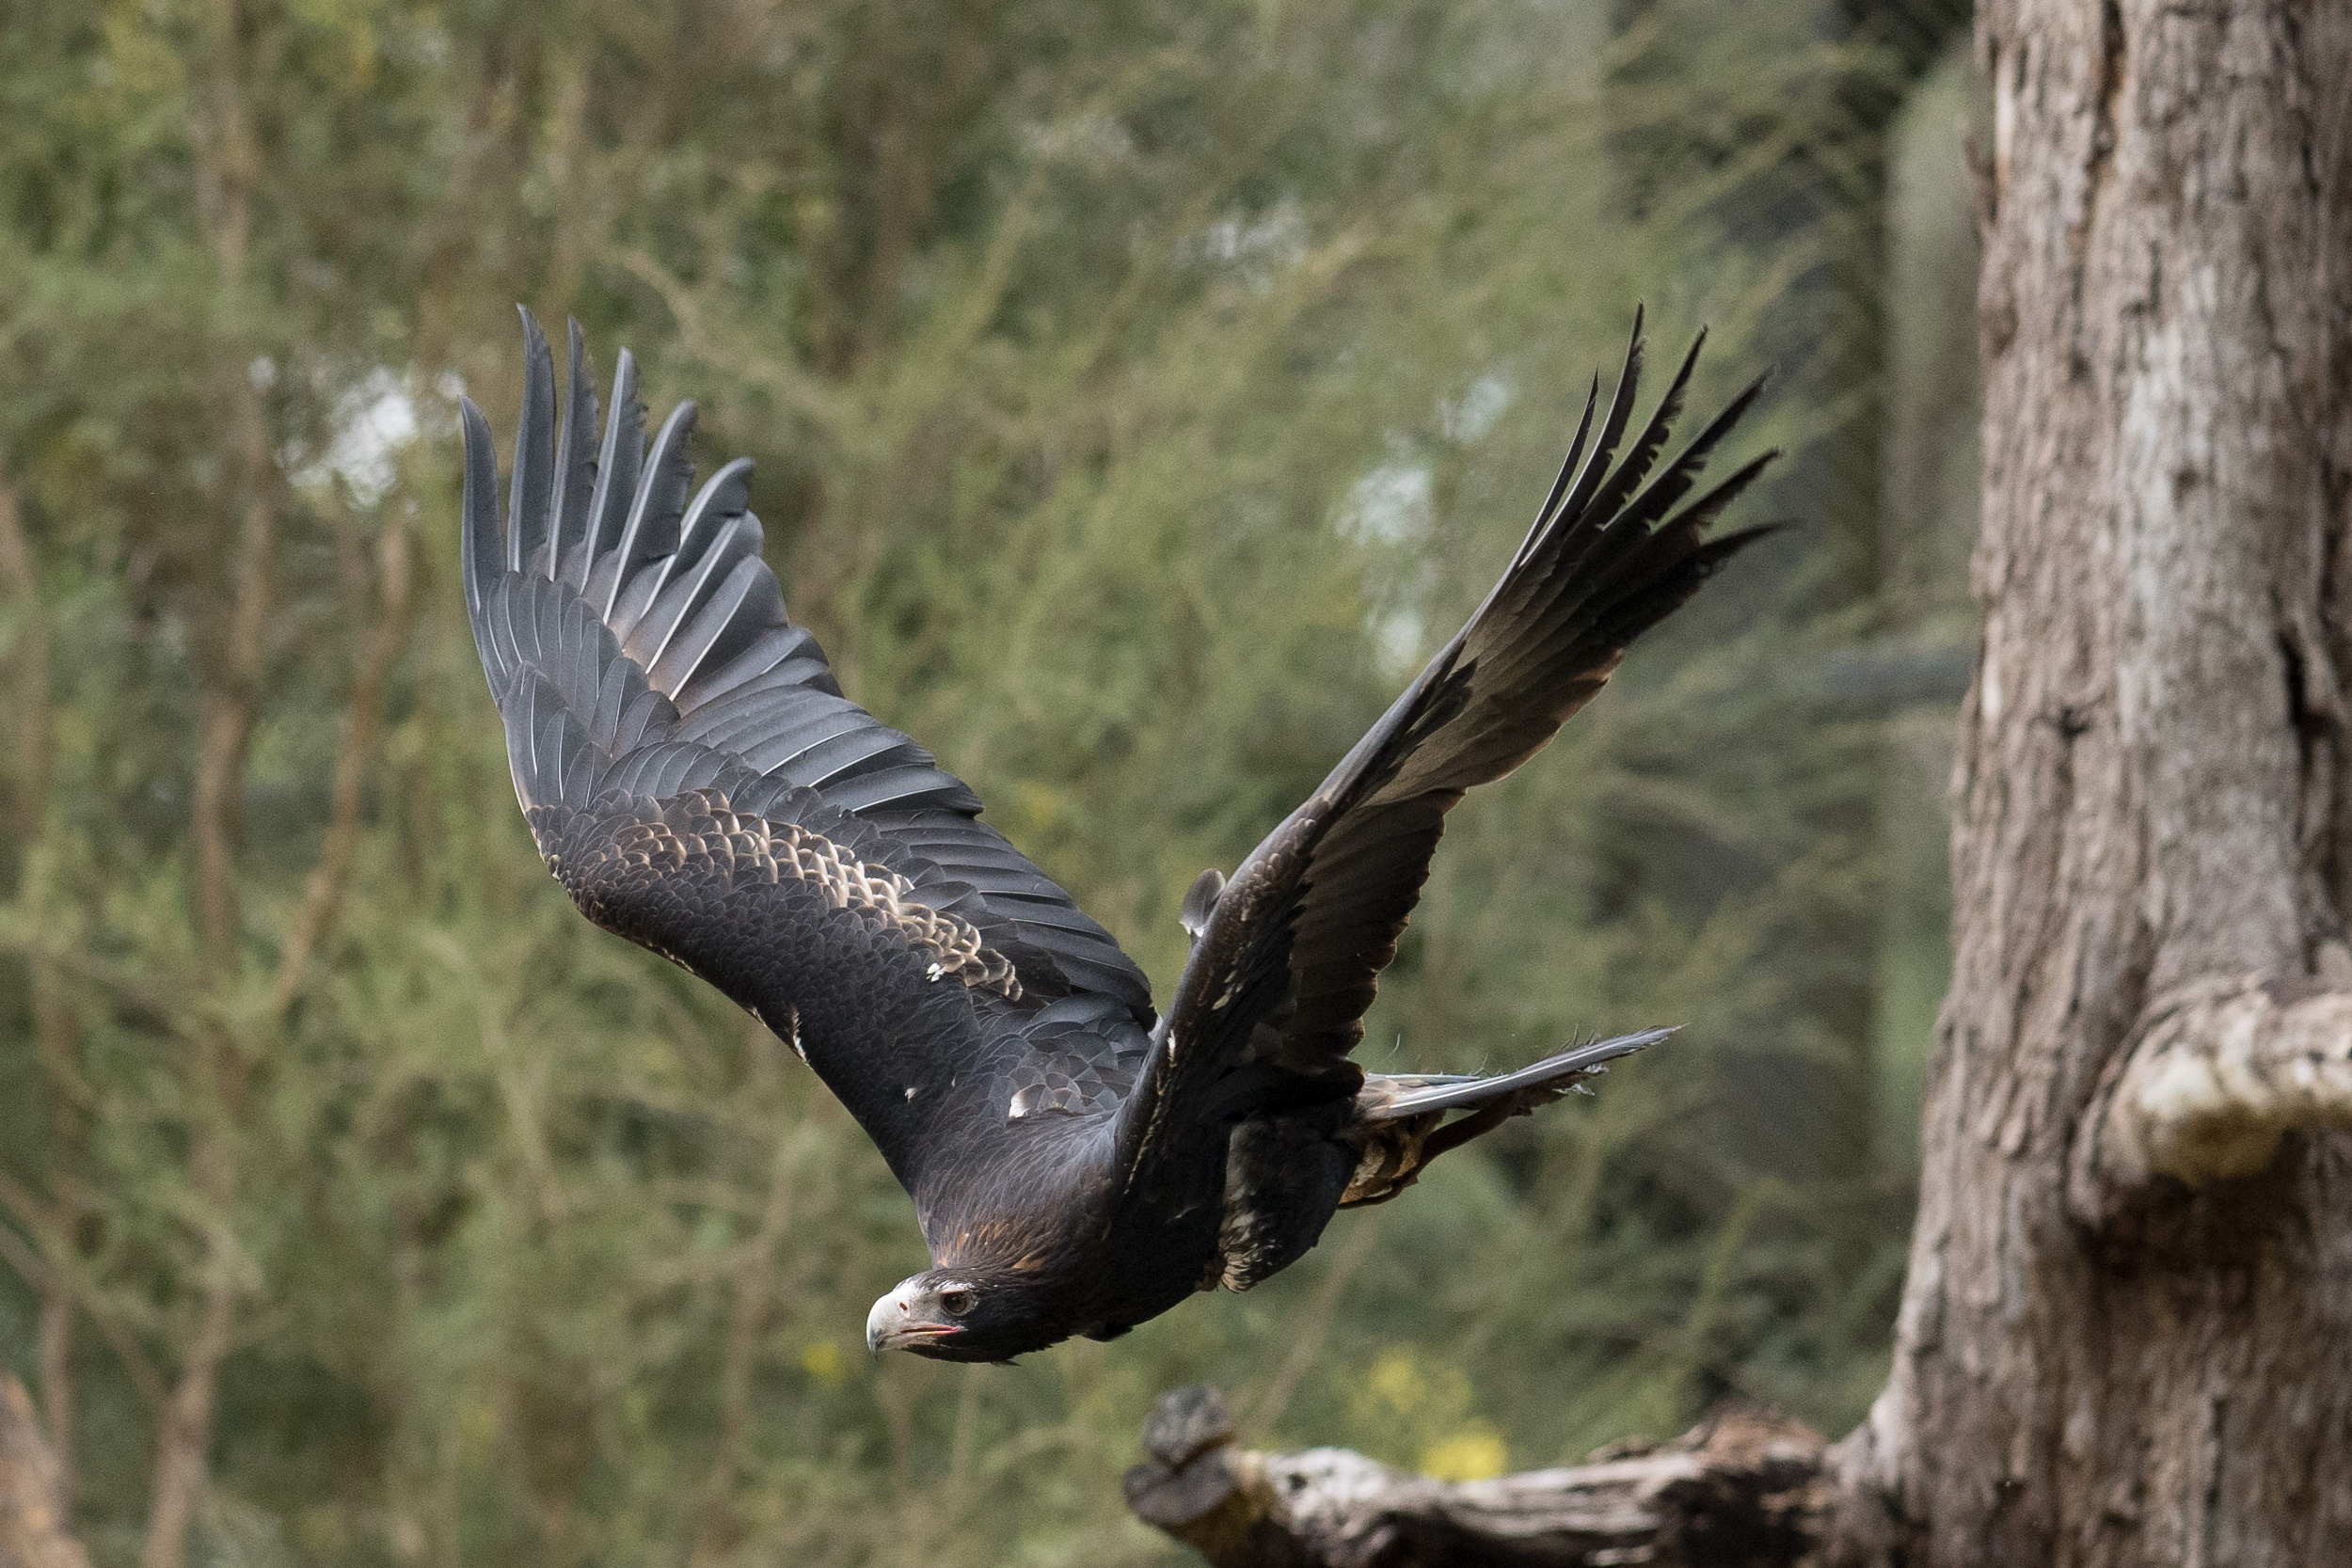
<point>2123,1337</point>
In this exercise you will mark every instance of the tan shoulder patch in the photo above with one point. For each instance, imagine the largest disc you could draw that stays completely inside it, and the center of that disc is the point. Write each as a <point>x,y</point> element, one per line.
<point>771,850</point>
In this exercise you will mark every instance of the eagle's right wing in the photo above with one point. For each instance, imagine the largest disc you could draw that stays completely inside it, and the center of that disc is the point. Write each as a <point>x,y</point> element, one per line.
<point>1273,998</point>
<point>697,782</point>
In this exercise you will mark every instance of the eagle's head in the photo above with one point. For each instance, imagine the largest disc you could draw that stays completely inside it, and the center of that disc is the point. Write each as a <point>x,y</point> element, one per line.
<point>966,1314</point>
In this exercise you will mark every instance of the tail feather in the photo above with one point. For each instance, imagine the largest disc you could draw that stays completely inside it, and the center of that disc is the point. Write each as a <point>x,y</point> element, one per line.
<point>1400,1123</point>
<point>1462,1091</point>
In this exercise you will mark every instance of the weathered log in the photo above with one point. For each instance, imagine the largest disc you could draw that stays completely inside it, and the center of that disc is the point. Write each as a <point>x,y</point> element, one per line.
<point>1740,1489</point>
<point>33,1529</point>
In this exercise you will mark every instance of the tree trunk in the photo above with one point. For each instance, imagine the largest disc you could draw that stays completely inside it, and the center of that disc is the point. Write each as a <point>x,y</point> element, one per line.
<point>2123,1337</point>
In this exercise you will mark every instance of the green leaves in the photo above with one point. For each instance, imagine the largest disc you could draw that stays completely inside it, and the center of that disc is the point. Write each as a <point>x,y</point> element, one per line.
<point>1081,348</point>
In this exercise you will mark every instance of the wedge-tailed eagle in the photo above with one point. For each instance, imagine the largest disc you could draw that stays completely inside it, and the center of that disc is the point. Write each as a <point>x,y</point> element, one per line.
<point>698,783</point>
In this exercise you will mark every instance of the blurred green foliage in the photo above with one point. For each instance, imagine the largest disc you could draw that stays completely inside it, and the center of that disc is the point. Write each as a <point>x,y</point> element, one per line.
<point>1139,390</point>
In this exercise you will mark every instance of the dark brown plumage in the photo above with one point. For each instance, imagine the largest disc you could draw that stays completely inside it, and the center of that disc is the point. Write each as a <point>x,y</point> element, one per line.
<point>698,784</point>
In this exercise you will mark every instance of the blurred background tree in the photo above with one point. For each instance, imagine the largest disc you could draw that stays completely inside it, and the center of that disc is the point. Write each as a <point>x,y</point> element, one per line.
<point>1139,391</point>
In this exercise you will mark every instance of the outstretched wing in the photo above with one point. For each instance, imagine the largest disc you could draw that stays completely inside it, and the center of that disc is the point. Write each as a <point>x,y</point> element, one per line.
<point>1273,997</point>
<point>697,782</point>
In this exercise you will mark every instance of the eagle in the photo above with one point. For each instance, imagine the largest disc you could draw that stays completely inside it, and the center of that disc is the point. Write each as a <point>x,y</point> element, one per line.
<point>696,780</point>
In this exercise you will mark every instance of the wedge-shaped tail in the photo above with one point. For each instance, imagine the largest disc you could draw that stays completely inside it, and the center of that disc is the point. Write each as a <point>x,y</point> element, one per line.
<point>1392,1097</point>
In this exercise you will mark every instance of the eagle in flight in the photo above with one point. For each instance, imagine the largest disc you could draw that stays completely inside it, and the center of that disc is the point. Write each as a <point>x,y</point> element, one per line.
<point>698,783</point>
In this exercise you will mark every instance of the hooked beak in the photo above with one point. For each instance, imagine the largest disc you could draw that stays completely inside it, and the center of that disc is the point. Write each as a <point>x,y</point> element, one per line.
<point>891,1325</point>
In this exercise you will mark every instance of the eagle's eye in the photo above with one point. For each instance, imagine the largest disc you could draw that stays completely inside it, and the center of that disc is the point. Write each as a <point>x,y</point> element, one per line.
<point>957,1301</point>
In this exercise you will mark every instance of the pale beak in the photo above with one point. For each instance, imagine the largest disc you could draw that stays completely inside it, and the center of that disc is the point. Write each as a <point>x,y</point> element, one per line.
<point>892,1323</point>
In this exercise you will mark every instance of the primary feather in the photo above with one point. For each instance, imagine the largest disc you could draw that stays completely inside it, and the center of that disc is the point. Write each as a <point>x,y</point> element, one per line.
<point>698,783</point>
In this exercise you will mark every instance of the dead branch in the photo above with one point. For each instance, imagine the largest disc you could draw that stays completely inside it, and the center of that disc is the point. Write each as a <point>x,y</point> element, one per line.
<point>1744,1488</point>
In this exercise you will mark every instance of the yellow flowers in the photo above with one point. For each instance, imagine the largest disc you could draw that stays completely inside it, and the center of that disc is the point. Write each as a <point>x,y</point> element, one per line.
<point>1397,1381</point>
<point>1423,1407</point>
<point>821,1359</point>
<point>1475,1453</point>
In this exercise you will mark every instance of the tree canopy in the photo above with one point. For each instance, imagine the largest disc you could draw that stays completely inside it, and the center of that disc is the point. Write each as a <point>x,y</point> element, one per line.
<point>1139,391</point>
